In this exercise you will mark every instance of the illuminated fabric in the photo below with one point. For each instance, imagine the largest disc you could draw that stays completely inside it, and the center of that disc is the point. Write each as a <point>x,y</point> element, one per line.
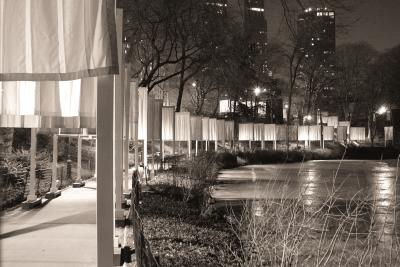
<point>168,118</point>
<point>229,130</point>
<point>258,132</point>
<point>133,110</point>
<point>314,133</point>
<point>150,116</point>
<point>224,106</point>
<point>220,130</point>
<point>57,40</point>
<point>345,123</point>
<point>246,131</point>
<point>50,104</point>
<point>269,132</point>
<point>182,126</point>
<point>142,113</point>
<point>280,132</point>
<point>196,131</point>
<point>303,133</point>
<point>329,133</point>
<point>205,128</point>
<point>212,129</point>
<point>389,133</point>
<point>156,119</point>
<point>341,133</point>
<point>357,133</point>
<point>333,121</point>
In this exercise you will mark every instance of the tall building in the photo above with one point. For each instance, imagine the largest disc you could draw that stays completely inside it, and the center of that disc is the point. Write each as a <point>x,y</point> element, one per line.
<point>317,37</point>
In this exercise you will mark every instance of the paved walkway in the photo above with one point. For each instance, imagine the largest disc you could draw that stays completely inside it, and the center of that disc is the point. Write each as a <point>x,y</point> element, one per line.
<point>62,233</point>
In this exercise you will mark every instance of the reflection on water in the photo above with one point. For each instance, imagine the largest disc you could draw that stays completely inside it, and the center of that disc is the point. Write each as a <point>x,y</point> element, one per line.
<point>364,191</point>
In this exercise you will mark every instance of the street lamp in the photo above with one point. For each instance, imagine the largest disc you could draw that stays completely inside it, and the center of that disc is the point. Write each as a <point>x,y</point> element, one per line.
<point>257,91</point>
<point>382,110</point>
<point>194,84</point>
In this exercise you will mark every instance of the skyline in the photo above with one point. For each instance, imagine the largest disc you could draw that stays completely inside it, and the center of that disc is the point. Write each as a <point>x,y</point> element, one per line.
<point>375,22</point>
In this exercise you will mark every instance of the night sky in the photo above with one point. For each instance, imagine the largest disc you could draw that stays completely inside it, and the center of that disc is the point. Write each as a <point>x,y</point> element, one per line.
<point>374,21</point>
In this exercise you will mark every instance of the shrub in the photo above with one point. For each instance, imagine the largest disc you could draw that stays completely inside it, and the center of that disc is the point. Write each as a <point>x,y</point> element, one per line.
<point>226,160</point>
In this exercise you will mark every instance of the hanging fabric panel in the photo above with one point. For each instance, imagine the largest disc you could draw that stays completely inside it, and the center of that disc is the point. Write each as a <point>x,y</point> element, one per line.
<point>134,111</point>
<point>269,132</point>
<point>229,130</point>
<point>196,131</point>
<point>150,117</point>
<point>357,133</point>
<point>329,133</point>
<point>157,129</point>
<point>258,132</point>
<point>142,113</point>
<point>212,129</point>
<point>220,130</point>
<point>70,40</point>
<point>314,133</point>
<point>333,121</point>
<point>280,132</point>
<point>168,118</point>
<point>389,133</point>
<point>345,123</point>
<point>303,133</point>
<point>341,133</point>
<point>50,104</point>
<point>246,131</point>
<point>205,128</point>
<point>182,126</point>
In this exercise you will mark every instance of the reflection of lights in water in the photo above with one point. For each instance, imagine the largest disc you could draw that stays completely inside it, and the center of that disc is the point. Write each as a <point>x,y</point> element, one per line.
<point>384,193</point>
<point>310,188</point>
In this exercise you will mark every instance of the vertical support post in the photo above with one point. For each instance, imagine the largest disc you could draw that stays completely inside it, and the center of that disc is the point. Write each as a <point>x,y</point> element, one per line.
<point>206,145</point>
<point>118,114</point>
<point>152,173</point>
<point>104,170</point>
<point>54,164</point>
<point>32,172</point>
<point>189,145</point>
<point>162,154</point>
<point>216,145</point>
<point>262,145</point>
<point>250,145</point>
<point>79,161</point>
<point>197,148</point>
<point>127,103</point>
<point>275,146</point>
<point>179,147</point>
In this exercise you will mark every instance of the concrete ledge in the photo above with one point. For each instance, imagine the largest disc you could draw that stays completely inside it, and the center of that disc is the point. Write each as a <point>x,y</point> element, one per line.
<point>78,184</point>
<point>52,195</point>
<point>30,204</point>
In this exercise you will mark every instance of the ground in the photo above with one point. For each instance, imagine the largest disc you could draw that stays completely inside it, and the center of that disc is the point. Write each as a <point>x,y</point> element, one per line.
<point>180,236</point>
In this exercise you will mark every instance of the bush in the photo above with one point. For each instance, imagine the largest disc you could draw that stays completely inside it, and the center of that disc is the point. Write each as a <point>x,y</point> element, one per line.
<point>226,160</point>
<point>372,153</point>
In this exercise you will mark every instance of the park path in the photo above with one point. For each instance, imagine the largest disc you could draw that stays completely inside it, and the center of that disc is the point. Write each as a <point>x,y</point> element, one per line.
<point>61,233</point>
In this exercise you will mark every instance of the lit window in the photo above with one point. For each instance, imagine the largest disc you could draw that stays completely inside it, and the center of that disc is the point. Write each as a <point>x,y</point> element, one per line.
<point>257,9</point>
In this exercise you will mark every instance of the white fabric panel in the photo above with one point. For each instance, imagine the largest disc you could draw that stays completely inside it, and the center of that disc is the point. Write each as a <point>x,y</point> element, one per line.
<point>314,133</point>
<point>246,131</point>
<point>325,120</point>
<point>329,133</point>
<point>212,129</point>
<point>51,101</point>
<point>345,123</point>
<point>157,129</point>
<point>341,133</point>
<point>269,132</point>
<point>333,121</point>
<point>196,131</point>
<point>168,118</point>
<point>357,133</point>
<point>182,126</point>
<point>280,132</point>
<point>150,116</point>
<point>220,130</point>
<point>258,132</point>
<point>389,133</point>
<point>57,39</point>
<point>142,113</point>
<point>229,130</point>
<point>205,128</point>
<point>303,133</point>
<point>134,110</point>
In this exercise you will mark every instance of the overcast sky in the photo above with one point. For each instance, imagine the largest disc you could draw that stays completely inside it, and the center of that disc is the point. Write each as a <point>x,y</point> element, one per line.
<point>375,21</point>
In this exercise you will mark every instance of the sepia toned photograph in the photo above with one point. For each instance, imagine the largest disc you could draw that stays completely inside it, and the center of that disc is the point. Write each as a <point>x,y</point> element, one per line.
<point>199,133</point>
